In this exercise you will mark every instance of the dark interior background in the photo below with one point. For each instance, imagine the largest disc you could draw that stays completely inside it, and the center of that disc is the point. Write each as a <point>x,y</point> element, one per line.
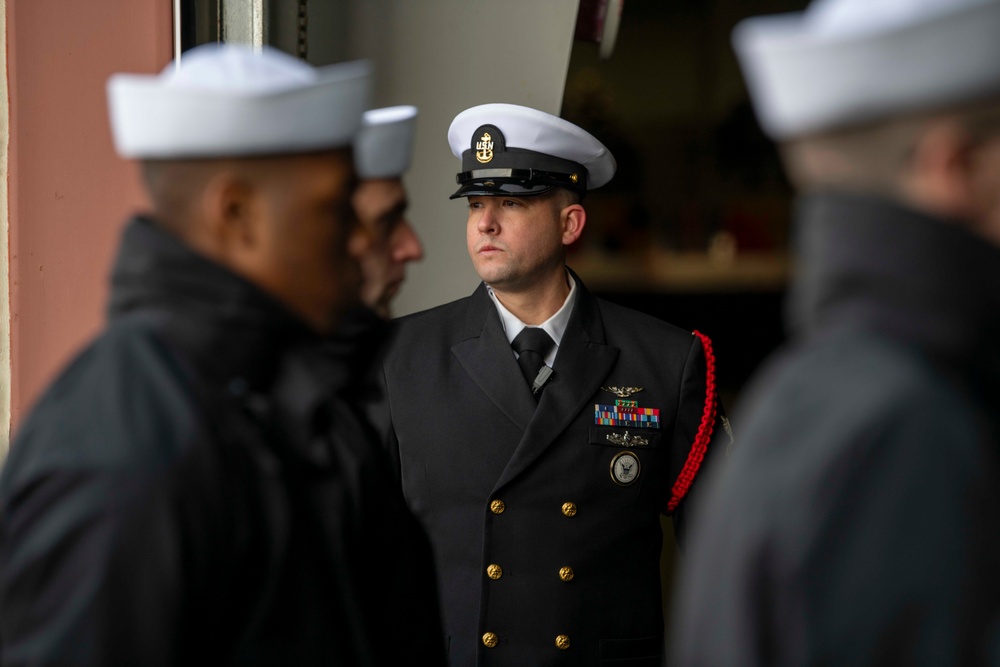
<point>694,227</point>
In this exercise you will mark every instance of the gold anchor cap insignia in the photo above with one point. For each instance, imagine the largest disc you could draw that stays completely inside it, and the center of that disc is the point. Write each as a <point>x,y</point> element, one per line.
<point>484,148</point>
<point>622,392</point>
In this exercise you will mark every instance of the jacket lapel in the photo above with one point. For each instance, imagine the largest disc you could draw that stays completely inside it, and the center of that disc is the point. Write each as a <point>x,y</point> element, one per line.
<point>583,362</point>
<point>486,356</point>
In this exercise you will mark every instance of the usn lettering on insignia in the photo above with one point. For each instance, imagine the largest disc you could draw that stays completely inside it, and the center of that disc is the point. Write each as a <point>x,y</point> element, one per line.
<point>626,416</point>
<point>484,148</point>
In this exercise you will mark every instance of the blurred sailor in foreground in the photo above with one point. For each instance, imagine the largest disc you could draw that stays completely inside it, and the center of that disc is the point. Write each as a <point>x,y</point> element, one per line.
<point>176,497</point>
<point>858,520</point>
<point>540,431</point>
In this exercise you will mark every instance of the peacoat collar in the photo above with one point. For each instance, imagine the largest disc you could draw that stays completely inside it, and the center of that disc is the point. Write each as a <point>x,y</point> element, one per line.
<point>871,263</point>
<point>245,347</point>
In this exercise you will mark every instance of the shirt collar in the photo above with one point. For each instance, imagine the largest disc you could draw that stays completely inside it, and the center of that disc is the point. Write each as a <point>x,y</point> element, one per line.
<point>555,326</point>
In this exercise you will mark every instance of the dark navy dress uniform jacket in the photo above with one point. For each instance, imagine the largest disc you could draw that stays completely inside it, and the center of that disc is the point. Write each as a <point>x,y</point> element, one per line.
<point>543,557</point>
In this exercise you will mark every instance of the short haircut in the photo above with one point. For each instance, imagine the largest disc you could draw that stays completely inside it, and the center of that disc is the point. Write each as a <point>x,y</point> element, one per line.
<point>563,197</point>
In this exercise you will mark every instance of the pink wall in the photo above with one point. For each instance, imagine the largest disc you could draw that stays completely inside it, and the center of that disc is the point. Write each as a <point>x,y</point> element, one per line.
<point>69,193</point>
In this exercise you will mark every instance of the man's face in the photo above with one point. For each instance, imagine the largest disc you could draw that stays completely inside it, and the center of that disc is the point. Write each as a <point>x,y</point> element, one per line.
<point>515,243</point>
<point>380,205</point>
<point>955,168</point>
<point>985,186</point>
<point>308,235</point>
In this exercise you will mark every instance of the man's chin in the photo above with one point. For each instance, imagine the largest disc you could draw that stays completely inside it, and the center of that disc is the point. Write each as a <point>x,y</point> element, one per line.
<point>488,273</point>
<point>382,310</point>
<point>384,303</point>
<point>498,280</point>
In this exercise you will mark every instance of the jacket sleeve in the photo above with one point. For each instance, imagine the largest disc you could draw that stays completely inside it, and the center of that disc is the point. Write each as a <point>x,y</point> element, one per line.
<point>397,567</point>
<point>90,572</point>
<point>881,558</point>
<point>702,433</point>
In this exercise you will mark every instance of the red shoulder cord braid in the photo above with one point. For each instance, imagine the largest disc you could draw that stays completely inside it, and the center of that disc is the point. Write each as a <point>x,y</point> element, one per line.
<point>700,444</point>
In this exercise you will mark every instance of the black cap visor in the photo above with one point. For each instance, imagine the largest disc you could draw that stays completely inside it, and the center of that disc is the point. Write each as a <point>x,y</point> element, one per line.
<point>514,182</point>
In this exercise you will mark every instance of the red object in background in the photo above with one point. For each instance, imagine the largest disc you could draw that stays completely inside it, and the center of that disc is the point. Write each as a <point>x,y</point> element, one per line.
<point>590,20</point>
<point>597,21</point>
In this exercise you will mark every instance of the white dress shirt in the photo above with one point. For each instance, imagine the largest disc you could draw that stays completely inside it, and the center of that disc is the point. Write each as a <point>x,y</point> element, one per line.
<point>555,326</point>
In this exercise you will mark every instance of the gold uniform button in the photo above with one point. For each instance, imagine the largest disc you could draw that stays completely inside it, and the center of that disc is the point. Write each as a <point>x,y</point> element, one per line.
<point>569,509</point>
<point>497,507</point>
<point>490,639</point>
<point>566,573</point>
<point>562,642</point>
<point>494,571</point>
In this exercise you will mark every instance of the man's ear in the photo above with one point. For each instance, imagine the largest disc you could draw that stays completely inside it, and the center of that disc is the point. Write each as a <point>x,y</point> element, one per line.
<point>939,176</point>
<point>574,219</point>
<point>229,206</point>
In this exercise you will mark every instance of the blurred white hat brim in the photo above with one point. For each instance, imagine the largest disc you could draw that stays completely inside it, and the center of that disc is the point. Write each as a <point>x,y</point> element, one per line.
<point>384,146</point>
<point>227,101</point>
<point>823,69</point>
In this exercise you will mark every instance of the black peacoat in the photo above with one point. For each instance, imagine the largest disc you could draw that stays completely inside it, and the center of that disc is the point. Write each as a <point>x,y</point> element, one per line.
<point>190,491</point>
<point>858,520</point>
<point>544,555</point>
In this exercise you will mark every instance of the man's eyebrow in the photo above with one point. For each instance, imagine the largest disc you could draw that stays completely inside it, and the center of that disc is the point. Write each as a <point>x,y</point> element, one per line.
<point>396,210</point>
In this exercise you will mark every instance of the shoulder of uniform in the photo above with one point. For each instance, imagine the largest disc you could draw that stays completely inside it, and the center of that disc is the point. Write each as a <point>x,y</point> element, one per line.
<point>435,316</point>
<point>443,323</point>
<point>619,321</point>
<point>122,402</point>
<point>885,378</point>
<point>112,358</point>
<point>706,427</point>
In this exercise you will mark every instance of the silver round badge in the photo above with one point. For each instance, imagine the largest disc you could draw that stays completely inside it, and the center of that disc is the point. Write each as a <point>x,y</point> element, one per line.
<point>625,468</point>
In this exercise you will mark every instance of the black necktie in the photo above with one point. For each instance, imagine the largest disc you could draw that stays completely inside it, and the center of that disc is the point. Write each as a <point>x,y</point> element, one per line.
<point>532,345</point>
